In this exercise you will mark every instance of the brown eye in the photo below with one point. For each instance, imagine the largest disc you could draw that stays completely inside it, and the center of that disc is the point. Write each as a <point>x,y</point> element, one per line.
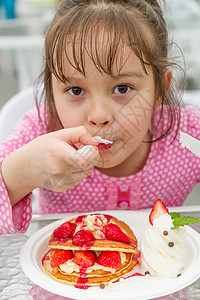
<point>122,89</point>
<point>75,91</point>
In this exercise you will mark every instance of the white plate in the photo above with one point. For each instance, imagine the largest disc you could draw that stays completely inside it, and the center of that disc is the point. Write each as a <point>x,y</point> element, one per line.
<point>132,288</point>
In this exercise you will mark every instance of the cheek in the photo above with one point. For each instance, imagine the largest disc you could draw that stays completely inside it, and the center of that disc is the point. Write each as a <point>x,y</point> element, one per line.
<point>66,113</point>
<point>135,118</point>
<point>69,120</point>
<point>68,116</point>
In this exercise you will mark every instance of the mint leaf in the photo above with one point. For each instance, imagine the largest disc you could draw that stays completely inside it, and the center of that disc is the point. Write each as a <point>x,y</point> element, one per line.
<point>174,215</point>
<point>186,220</point>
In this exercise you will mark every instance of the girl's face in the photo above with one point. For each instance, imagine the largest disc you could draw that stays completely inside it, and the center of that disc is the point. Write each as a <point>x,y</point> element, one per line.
<point>118,108</point>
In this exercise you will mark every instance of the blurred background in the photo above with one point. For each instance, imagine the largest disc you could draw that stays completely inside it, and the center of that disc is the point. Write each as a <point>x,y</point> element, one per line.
<point>22,30</point>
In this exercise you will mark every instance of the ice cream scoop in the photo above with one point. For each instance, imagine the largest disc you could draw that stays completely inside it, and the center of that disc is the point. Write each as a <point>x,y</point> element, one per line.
<point>162,247</point>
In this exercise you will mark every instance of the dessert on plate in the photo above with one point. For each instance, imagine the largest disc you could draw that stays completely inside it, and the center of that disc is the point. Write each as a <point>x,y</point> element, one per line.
<point>91,250</point>
<point>163,245</point>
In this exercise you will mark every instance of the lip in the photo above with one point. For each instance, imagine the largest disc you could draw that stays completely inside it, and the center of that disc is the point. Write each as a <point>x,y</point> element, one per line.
<point>102,146</point>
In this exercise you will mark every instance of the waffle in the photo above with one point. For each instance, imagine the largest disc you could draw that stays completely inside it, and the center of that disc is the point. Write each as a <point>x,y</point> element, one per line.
<point>97,275</point>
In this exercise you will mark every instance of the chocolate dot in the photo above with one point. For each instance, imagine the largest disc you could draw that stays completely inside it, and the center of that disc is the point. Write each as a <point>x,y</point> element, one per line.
<point>179,275</point>
<point>171,244</point>
<point>165,232</point>
<point>102,286</point>
<point>147,273</point>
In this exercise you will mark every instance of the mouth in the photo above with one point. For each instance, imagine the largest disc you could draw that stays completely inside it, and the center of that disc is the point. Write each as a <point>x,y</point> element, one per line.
<point>102,146</point>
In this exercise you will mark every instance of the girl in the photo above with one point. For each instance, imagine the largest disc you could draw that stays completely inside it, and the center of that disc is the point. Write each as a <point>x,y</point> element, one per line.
<point>106,74</point>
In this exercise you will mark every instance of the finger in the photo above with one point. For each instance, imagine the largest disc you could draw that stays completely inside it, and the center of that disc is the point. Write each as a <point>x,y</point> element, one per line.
<point>68,152</point>
<point>79,160</point>
<point>88,156</point>
<point>76,135</point>
<point>84,149</point>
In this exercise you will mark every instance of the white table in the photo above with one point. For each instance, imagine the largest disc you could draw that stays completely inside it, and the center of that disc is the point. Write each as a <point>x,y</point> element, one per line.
<point>15,285</point>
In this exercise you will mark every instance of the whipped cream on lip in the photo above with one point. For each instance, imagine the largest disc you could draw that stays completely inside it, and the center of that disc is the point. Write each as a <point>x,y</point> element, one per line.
<point>103,145</point>
<point>102,141</point>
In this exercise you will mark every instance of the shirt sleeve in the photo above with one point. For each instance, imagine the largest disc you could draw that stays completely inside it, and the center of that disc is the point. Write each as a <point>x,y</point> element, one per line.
<point>190,124</point>
<point>16,219</point>
<point>191,121</point>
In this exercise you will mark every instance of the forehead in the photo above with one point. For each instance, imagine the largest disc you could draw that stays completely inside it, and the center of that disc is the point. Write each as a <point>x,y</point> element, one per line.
<point>103,50</point>
<point>125,60</point>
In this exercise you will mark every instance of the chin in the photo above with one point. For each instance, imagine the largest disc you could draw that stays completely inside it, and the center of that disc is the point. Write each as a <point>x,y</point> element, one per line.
<point>108,164</point>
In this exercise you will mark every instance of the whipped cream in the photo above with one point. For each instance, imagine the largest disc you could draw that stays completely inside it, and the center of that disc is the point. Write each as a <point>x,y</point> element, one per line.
<point>69,266</point>
<point>162,248</point>
<point>86,148</point>
<point>100,140</point>
<point>95,224</point>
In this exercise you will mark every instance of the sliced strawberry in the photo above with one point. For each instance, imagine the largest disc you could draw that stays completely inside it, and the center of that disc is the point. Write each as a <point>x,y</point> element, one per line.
<point>158,210</point>
<point>66,230</point>
<point>82,237</point>
<point>60,257</point>
<point>113,232</point>
<point>109,259</point>
<point>84,259</point>
<point>79,219</point>
<point>139,257</point>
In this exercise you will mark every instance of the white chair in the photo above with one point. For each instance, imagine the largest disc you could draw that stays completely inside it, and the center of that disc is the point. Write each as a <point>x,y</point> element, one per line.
<point>13,111</point>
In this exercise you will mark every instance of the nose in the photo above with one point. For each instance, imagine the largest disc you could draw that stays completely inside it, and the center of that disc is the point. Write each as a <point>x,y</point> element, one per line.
<point>100,116</point>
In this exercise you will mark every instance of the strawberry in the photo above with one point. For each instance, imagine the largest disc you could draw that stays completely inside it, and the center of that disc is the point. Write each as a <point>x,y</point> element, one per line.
<point>82,237</point>
<point>66,230</point>
<point>84,259</point>
<point>113,232</point>
<point>109,259</point>
<point>60,257</point>
<point>158,210</point>
<point>139,257</point>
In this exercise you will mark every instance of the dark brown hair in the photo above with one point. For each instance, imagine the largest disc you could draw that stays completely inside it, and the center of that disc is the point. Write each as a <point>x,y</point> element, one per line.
<point>136,23</point>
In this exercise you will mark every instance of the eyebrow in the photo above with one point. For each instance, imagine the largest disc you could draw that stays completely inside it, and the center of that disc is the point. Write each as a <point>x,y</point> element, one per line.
<point>117,76</point>
<point>133,74</point>
<point>129,74</point>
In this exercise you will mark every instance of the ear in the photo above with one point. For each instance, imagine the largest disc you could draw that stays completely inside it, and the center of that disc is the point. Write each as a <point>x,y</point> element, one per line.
<point>168,75</point>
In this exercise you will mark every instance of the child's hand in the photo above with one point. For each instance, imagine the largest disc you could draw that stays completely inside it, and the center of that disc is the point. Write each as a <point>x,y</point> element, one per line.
<point>50,161</point>
<point>61,166</point>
